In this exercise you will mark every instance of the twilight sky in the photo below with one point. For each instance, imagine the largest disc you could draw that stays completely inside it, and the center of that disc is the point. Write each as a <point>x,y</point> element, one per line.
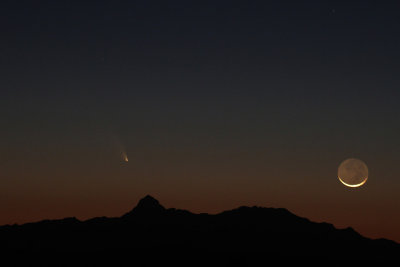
<point>217,105</point>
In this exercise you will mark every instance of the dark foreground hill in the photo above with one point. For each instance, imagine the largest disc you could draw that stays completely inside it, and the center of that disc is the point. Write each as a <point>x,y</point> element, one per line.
<point>151,235</point>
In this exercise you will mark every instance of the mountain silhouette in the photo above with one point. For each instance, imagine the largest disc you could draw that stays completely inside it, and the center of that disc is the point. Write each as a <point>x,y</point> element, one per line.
<point>151,235</point>
<point>147,206</point>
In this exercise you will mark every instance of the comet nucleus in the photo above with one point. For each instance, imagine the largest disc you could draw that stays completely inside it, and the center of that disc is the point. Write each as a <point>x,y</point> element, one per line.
<point>125,157</point>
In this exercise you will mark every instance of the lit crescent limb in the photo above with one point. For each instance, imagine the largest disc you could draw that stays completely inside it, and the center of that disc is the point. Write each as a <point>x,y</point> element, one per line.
<point>354,185</point>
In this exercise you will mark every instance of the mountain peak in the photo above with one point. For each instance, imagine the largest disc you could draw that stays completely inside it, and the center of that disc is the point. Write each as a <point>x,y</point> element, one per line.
<point>149,202</point>
<point>147,205</point>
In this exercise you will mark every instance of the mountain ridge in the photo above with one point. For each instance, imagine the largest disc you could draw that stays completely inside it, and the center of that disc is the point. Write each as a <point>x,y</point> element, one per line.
<point>244,234</point>
<point>149,205</point>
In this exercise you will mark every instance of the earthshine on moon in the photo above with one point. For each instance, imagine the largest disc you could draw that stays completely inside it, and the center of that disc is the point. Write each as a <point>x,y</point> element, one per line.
<point>353,173</point>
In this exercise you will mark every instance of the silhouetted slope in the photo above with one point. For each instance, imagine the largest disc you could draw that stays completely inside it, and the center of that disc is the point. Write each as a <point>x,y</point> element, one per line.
<point>146,206</point>
<point>150,235</point>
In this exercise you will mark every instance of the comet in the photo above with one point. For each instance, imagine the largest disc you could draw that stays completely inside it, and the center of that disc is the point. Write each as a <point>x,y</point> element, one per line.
<point>120,148</point>
<point>125,157</point>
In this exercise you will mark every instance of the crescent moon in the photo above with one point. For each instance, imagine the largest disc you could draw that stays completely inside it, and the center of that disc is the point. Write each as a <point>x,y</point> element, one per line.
<point>353,172</point>
<point>353,185</point>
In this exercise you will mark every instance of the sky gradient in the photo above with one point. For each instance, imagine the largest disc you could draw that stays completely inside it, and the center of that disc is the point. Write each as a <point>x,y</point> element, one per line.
<point>217,105</point>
